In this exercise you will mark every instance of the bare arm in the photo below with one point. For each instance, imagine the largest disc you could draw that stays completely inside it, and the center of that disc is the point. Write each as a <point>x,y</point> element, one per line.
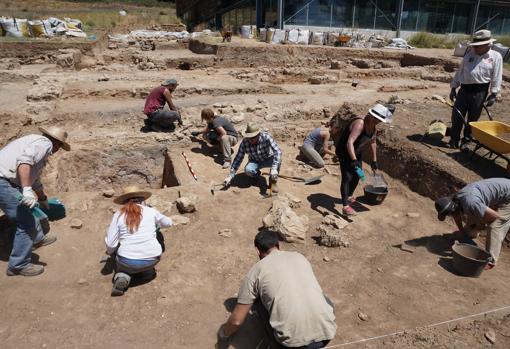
<point>221,131</point>
<point>24,175</point>
<point>168,97</point>
<point>490,215</point>
<point>236,319</point>
<point>356,130</point>
<point>373,148</point>
<point>325,138</point>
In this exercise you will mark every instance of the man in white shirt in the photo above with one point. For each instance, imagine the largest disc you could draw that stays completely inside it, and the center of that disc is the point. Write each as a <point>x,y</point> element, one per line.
<point>481,71</point>
<point>286,295</point>
<point>21,164</point>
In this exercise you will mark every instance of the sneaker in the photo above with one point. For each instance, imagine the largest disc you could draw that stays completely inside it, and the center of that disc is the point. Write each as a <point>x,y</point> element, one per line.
<point>226,164</point>
<point>349,211</point>
<point>29,270</point>
<point>351,201</point>
<point>120,284</point>
<point>274,187</point>
<point>47,240</point>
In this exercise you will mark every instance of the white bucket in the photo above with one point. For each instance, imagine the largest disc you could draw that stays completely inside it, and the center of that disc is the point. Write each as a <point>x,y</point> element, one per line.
<point>245,31</point>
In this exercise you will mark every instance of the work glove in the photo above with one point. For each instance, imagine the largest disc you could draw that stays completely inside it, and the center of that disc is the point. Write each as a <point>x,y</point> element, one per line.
<point>491,100</point>
<point>453,94</point>
<point>227,180</point>
<point>29,198</point>
<point>273,175</point>
<point>374,165</point>
<point>44,203</point>
<point>195,133</point>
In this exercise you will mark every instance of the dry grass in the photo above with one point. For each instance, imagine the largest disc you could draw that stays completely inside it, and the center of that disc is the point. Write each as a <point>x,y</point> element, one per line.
<point>96,16</point>
<point>427,40</point>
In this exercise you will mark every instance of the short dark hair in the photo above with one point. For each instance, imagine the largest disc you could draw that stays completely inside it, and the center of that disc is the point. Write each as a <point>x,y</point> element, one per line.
<point>266,240</point>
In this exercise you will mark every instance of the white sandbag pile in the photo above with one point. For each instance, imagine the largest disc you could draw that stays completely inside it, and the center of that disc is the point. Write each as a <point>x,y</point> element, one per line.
<point>22,28</point>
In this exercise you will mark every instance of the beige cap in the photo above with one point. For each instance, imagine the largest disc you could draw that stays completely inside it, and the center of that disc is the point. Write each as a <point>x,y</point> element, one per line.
<point>251,130</point>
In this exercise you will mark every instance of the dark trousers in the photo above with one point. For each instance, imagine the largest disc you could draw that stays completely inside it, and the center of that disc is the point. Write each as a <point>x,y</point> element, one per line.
<point>349,180</point>
<point>263,315</point>
<point>469,100</point>
<point>164,118</point>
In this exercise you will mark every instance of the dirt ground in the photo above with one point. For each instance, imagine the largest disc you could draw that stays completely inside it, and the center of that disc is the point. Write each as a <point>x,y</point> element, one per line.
<point>100,104</point>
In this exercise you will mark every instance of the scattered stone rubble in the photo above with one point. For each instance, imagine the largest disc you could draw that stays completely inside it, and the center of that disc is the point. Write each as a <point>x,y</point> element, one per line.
<point>283,220</point>
<point>332,232</point>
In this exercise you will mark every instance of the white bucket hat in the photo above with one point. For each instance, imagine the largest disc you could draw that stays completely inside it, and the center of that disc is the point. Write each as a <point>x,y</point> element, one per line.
<point>382,113</point>
<point>57,133</point>
<point>482,37</point>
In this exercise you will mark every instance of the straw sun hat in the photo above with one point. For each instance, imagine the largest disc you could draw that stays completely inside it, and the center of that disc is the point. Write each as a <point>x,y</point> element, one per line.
<point>251,130</point>
<point>131,192</point>
<point>57,133</point>
<point>481,37</point>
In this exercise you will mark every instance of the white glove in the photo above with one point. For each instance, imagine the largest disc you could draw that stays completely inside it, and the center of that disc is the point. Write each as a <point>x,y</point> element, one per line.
<point>29,198</point>
<point>273,175</point>
<point>44,204</point>
<point>227,180</point>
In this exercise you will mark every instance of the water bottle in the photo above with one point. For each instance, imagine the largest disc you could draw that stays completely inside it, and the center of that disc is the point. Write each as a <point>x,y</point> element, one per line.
<point>360,173</point>
<point>36,211</point>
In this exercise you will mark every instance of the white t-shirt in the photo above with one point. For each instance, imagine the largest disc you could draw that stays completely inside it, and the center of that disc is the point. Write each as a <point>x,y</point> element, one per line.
<point>141,244</point>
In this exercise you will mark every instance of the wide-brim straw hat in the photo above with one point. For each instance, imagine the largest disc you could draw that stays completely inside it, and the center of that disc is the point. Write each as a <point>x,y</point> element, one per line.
<point>251,130</point>
<point>57,133</point>
<point>381,113</point>
<point>131,192</point>
<point>481,37</point>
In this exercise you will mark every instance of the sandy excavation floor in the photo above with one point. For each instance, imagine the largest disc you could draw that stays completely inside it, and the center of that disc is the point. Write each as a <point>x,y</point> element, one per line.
<point>69,306</point>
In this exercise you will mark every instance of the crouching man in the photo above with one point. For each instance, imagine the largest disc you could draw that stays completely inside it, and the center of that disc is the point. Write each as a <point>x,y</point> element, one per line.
<point>262,152</point>
<point>480,204</point>
<point>21,164</point>
<point>284,292</point>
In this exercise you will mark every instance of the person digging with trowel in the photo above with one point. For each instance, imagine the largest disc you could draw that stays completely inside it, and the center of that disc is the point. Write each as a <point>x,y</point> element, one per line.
<point>263,152</point>
<point>283,291</point>
<point>480,69</point>
<point>481,204</point>
<point>219,131</point>
<point>132,237</point>
<point>159,119</point>
<point>21,164</point>
<point>358,133</point>
<point>316,147</point>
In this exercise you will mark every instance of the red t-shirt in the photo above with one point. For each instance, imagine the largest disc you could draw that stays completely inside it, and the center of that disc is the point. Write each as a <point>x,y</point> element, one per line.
<point>155,100</point>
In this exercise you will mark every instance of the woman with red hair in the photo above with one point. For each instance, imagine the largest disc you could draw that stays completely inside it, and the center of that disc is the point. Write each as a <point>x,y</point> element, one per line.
<point>132,236</point>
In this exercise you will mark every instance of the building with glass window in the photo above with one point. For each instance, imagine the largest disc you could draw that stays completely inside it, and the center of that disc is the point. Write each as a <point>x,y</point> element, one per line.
<point>443,17</point>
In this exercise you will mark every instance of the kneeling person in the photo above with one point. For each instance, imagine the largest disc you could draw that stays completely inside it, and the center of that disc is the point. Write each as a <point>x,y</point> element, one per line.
<point>132,235</point>
<point>159,119</point>
<point>220,131</point>
<point>262,152</point>
<point>283,289</point>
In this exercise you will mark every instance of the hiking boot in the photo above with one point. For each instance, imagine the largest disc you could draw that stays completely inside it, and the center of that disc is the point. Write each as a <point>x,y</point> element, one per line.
<point>226,164</point>
<point>47,240</point>
<point>274,187</point>
<point>29,270</point>
<point>349,211</point>
<point>120,284</point>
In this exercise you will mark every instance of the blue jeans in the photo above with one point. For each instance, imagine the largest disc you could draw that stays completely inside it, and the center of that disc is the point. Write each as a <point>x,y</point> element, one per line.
<point>135,266</point>
<point>28,228</point>
<point>252,168</point>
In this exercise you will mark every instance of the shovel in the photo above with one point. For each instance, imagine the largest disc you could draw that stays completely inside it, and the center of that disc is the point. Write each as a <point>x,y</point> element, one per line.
<point>306,181</point>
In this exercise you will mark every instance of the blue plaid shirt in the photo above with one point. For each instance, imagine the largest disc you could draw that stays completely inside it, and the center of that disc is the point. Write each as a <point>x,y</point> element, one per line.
<point>265,148</point>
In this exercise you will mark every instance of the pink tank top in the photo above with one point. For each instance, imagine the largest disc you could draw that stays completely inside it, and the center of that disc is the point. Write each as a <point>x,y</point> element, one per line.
<point>155,100</point>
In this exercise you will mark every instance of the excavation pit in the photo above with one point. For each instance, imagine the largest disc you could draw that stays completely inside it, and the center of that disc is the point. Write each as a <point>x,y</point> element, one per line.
<point>93,170</point>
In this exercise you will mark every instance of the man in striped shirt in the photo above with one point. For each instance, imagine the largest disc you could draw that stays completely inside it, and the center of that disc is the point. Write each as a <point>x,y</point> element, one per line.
<point>263,152</point>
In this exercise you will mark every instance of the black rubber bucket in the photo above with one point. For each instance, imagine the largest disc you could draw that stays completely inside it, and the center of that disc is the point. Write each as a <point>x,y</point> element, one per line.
<point>375,195</point>
<point>469,260</point>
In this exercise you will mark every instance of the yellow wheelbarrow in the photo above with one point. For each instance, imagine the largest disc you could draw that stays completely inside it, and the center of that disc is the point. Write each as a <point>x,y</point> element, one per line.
<point>493,136</point>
